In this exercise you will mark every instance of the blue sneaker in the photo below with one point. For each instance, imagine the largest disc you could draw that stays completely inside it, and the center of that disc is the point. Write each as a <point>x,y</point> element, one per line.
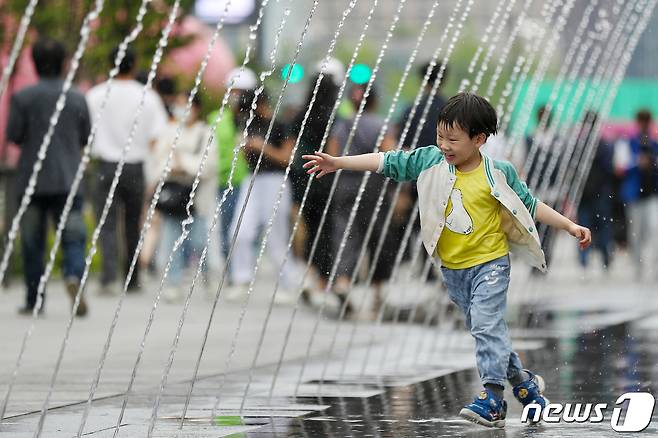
<point>531,391</point>
<point>486,409</point>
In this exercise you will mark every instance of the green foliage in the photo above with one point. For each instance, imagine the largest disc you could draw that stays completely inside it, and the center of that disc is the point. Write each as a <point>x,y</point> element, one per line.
<point>367,53</point>
<point>62,19</point>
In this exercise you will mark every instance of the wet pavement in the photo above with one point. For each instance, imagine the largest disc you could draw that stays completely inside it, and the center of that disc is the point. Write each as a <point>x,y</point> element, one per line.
<point>593,340</point>
<point>596,367</point>
<point>593,368</point>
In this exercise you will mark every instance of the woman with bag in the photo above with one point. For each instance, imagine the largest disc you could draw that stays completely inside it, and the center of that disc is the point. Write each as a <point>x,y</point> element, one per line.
<point>175,194</point>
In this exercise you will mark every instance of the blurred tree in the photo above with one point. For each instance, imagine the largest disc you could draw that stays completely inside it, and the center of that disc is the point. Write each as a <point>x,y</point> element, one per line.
<point>62,19</point>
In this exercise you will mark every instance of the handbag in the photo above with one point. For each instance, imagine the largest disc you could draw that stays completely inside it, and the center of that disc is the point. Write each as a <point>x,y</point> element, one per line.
<point>174,197</point>
<point>175,194</point>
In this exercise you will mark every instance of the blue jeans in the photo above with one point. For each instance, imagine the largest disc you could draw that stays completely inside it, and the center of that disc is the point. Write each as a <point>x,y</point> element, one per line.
<point>481,293</point>
<point>190,250</point>
<point>226,217</point>
<point>34,235</point>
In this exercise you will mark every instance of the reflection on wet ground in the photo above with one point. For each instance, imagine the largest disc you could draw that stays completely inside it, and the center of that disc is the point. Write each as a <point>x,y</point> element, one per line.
<point>594,368</point>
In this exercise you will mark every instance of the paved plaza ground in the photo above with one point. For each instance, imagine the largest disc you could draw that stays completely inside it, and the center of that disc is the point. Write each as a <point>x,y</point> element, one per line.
<point>595,340</point>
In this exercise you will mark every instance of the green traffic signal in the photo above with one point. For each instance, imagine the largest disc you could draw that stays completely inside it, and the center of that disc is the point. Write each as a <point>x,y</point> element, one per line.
<point>360,74</point>
<point>295,76</point>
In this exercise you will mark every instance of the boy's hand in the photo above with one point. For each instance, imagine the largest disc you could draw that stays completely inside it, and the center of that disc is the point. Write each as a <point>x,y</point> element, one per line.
<point>320,162</point>
<point>583,234</point>
<point>548,216</point>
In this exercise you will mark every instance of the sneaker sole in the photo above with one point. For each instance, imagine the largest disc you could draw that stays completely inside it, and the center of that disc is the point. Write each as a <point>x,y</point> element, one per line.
<point>471,416</point>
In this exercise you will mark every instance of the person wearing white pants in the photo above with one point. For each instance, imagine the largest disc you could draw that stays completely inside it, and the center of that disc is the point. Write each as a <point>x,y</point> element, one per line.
<point>266,184</point>
<point>643,226</point>
<point>254,224</point>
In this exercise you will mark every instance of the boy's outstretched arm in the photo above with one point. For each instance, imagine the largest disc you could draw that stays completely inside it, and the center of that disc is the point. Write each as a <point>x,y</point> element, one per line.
<point>550,217</point>
<point>325,163</point>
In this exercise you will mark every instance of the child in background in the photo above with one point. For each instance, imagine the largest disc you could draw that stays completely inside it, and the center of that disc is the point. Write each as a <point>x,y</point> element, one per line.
<point>473,211</point>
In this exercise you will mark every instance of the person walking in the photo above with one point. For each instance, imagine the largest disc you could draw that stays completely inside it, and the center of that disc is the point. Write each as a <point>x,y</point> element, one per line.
<point>114,128</point>
<point>275,157</point>
<point>426,135</point>
<point>595,208</point>
<point>227,135</point>
<point>318,194</point>
<point>640,193</point>
<point>364,141</point>
<point>194,136</point>
<point>29,120</point>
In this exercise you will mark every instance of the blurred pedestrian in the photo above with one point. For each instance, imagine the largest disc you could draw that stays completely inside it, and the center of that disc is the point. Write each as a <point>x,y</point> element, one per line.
<point>543,142</point>
<point>114,128</point>
<point>275,150</point>
<point>227,136</point>
<point>29,119</point>
<point>363,142</point>
<point>595,208</point>
<point>166,89</point>
<point>640,192</point>
<point>426,134</point>
<point>311,138</point>
<point>185,162</point>
<point>540,152</point>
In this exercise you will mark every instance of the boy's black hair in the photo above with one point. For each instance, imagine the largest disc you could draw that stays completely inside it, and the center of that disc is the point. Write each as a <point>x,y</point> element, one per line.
<point>470,112</point>
<point>48,56</point>
<point>127,63</point>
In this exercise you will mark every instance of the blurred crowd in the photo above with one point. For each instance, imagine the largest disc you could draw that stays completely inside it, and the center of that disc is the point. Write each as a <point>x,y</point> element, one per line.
<point>619,197</point>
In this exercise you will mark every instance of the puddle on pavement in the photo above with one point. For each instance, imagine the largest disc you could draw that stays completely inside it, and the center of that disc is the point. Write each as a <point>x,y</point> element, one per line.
<point>593,368</point>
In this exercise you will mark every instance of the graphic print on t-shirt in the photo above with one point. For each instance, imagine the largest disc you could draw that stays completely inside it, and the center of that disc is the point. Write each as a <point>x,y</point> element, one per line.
<point>473,233</point>
<point>459,220</point>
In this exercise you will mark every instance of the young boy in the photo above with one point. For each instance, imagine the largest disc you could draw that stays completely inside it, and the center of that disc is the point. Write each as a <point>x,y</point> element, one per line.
<point>473,211</point>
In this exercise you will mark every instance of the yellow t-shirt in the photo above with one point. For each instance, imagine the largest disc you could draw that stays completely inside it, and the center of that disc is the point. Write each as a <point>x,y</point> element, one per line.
<point>472,234</point>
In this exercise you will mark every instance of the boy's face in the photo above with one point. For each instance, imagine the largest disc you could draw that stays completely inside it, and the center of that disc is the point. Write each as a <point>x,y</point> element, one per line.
<point>457,146</point>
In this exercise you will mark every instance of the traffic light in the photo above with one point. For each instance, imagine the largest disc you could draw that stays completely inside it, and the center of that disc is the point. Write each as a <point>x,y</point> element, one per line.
<point>295,76</point>
<point>360,74</point>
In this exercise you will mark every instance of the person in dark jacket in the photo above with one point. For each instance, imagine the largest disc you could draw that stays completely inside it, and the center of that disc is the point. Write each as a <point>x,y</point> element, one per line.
<point>426,134</point>
<point>318,194</point>
<point>29,120</point>
<point>595,208</point>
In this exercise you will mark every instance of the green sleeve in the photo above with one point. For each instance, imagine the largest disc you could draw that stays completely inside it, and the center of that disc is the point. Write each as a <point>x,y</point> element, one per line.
<point>519,187</point>
<point>407,166</point>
